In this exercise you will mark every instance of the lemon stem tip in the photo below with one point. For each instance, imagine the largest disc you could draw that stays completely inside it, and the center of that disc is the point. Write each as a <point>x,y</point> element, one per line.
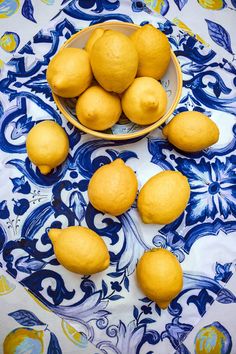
<point>44,169</point>
<point>53,234</point>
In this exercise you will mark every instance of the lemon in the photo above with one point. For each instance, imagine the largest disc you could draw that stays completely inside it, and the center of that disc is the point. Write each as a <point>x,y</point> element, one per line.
<point>98,109</point>
<point>163,197</point>
<point>22,340</point>
<point>191,131</point>
<point>74,336</point>
<point>212,4</point>
<point>47,145</point>
<point>114,61</point>
<point>113,188</point>
<point>5,286</point>
<point>80,249</point>
<point>145,101</point>
<point>160,276</point>
<point>69,72</point>
<point>97,33</point>
<point>153,51</point>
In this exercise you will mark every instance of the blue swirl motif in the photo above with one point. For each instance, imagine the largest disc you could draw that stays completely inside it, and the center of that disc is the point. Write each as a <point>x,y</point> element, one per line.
<point>75,10</point>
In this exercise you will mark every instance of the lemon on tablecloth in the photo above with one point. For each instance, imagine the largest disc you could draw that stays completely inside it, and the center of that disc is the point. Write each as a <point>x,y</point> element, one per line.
<point>160,276</point>
<point>47,145</point>
<point>191,131</point>
<point>113,188</point>
<point>79,249</point>
<point>163,198</point>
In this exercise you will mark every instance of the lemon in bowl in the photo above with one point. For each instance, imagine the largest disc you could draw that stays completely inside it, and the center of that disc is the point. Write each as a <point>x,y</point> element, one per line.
<point>124,128</point>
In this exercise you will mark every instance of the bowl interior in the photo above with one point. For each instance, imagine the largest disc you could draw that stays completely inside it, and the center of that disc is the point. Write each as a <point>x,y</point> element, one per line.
<point>124,129</point>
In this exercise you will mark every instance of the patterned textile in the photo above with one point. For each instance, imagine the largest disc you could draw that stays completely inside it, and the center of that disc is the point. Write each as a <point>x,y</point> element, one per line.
<point>109,308</point>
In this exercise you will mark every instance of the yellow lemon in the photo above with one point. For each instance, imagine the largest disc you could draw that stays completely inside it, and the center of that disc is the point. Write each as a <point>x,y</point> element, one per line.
<point>212,4</point>
<point>97,33</point>
<point>47,145</point>
<point>153,51</point>
<point>69,72</point>
<point>98,109</point>
<point>114,61</point>
<point>163,197</point>
<point>145,101</point>
<point>5,286</point>
<point>213,339</point>
<point>8,8</point>
<point>160,276</point>
<point>75,337</point>
<point>80,249</point>
<point>113,188</point>
<point>24,340</point>
<point>191,131</point>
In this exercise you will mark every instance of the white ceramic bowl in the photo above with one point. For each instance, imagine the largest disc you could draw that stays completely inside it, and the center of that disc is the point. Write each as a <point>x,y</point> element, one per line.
<point>124,129</point>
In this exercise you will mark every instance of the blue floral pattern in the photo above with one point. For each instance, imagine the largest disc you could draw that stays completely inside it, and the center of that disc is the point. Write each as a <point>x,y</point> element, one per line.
<point>32,203</point>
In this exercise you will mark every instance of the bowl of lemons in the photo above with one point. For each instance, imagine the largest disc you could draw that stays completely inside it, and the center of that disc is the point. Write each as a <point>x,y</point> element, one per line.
<point>116,80</point>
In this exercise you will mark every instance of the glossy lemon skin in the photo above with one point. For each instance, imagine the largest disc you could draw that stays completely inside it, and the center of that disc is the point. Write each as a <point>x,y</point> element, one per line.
<point>153,51</point>
<point>191,131</point>
<point>47,145</point>
<point>80,250</point>
<point>163,198</point>
<point>114,61</point>
<point>160,276</point>
<point>69,72</point>
<point>145,101</point>
<point>98,109</point>
<point>113,188</point>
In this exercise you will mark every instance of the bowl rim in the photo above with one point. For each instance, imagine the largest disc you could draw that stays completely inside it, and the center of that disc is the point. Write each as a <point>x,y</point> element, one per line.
<point>126,136</point>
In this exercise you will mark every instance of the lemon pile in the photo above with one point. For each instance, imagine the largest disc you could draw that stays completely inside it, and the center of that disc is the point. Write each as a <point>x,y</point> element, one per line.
<point>126,72</point>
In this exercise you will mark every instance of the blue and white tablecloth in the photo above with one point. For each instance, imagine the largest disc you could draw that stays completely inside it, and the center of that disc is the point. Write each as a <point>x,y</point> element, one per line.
<point>108,307</point>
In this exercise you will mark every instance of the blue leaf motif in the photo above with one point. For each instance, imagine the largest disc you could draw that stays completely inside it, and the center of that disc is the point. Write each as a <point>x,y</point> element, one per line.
<point>54,346</point>
<point>126,283</point>
<point>20,185</point>
<point>115,274</point>
<point>3,237</point>
<point>115,297</point>
<point>146,321</point>
<point>145,299</point>
<point>181,3</point>
<point>28,11</point>
<point>135,312</point>
<point>28,265</point>
<point>4,212</point>
<point>225,296</point>
<point>104,288</point>
<point>219,35</point>
<point>26,318</point>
